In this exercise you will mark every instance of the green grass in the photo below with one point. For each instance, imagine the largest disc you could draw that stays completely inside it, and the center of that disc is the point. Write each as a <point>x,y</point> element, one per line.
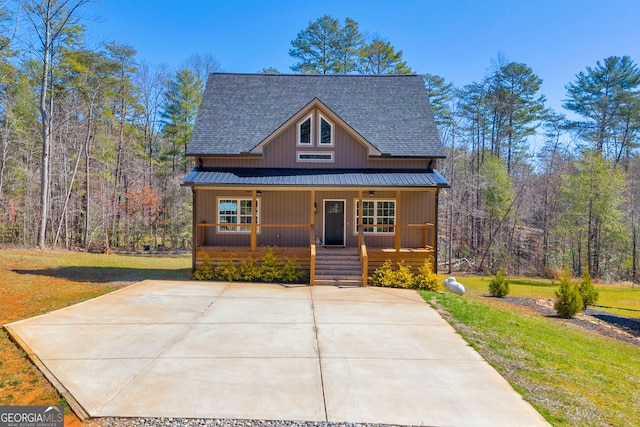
<point>624,298</point>
<point>571,376</point>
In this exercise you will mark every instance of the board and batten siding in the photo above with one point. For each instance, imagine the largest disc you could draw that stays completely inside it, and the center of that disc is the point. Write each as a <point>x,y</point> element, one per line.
<point>294,207</point>
<point>348,153</point>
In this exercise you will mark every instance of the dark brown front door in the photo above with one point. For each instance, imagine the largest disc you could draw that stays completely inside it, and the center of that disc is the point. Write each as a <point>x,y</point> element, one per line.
<point>334,222</point>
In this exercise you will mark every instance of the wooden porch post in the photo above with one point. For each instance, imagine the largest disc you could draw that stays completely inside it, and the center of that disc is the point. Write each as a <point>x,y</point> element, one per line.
<point>360,218</point>
<point>254,220</point>
<point>398,240</point>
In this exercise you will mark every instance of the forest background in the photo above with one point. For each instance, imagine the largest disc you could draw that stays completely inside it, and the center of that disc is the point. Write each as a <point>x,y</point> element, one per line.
<point>92,146</point>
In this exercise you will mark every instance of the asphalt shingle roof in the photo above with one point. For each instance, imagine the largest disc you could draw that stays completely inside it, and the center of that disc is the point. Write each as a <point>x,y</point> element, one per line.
<point>239,111</point>
<point>315,177</point>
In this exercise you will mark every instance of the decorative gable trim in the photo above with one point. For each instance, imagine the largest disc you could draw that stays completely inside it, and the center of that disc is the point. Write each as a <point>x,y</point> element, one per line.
<point>329,116</point>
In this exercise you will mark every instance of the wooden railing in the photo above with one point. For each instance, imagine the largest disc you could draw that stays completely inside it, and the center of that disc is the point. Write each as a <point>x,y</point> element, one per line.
<point>312,265</point>
<point>429,235</point>
<point>364,260</point>
<point>201,230</point>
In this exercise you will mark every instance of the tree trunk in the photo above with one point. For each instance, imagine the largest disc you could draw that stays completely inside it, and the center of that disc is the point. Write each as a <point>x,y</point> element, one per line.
<point>46,134</point>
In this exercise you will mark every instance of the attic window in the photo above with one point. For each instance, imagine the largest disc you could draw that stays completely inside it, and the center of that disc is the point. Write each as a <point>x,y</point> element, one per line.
<point>318,156</point>
<point>326,132</point>
<point>304,132</point>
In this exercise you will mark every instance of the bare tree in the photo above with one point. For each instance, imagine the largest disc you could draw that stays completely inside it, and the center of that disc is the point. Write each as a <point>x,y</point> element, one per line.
<point>50,20</point>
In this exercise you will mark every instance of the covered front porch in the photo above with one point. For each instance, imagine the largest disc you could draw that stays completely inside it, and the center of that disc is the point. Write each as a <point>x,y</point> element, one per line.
<point>311,220</point>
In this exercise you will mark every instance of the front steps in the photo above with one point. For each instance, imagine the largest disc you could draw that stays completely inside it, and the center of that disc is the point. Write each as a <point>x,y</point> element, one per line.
<point>338,267</point>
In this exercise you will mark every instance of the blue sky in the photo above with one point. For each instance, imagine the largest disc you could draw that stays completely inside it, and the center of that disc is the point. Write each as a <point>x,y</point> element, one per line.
<point>454,39</point>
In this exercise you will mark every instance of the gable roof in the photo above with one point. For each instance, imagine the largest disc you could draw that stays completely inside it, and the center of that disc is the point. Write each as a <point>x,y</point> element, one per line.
<point>239,111</point>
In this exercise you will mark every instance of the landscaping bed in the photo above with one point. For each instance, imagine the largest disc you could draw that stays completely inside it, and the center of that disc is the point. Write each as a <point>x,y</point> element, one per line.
<point>605,323</point>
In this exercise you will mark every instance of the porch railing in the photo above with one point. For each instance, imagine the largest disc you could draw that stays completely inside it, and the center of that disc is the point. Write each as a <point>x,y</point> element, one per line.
<point>201,231</point>
<point>312,265</point>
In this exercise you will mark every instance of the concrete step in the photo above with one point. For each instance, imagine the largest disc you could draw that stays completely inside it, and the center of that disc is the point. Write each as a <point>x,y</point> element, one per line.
<point>338,277</point>
<point>338,282</point>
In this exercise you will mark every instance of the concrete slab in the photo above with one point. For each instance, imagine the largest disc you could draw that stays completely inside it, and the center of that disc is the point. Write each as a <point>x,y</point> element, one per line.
<point>246,340</point>
<point>253,351</point>
<point>372,313</point>
<point>417,342</point>
<point>240,388</point>
<point>258,310</point>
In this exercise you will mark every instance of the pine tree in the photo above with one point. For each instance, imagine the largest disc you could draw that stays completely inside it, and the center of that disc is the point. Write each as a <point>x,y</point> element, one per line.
<point>569,301</point>
<point>182,100</point>
<point>379,57</point>
<point>588,292</point>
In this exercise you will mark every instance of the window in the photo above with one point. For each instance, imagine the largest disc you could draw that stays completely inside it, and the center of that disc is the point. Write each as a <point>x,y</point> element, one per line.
<point>326,132</point>
<point>236,211</point>
<point>304,132</point>
<point>319,156</point>
<point>378,216</point>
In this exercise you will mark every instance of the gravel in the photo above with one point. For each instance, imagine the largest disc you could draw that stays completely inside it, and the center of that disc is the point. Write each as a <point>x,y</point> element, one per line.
<point>201,422</point>
<point>605,323</point>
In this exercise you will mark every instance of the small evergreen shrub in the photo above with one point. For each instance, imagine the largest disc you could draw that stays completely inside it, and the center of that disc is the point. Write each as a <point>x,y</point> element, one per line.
<point>227,271</point>
<point>386,276</point>
<point>426,279</point>
<point>588,292</point>
<point>292,271</point>
<point>383,275</point>
<point>271,269</point>
<point>498,285</point>
<point>249,270</point>
<point>569,301</point>
<point>404,277</point>
<point>204,271</point>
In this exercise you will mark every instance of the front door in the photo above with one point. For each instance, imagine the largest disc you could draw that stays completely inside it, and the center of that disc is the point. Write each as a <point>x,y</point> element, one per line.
<point>334,222</point>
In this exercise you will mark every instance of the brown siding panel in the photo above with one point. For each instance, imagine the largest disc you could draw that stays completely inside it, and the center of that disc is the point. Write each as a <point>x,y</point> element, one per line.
<point>349,153</point>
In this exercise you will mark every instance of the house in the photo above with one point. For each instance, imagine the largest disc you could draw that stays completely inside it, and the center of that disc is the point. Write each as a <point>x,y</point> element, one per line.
<point>337,170</point>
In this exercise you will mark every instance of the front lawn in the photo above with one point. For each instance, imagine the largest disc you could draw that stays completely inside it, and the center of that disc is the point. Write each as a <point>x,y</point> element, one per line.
<point>36,282</point>
<point>572,376</point>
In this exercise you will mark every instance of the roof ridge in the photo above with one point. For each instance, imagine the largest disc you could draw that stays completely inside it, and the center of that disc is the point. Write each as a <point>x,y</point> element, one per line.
<point>224,73</point>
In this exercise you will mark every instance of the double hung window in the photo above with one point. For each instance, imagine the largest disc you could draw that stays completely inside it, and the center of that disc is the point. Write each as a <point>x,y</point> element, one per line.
<point>378,216</point>
<point>236,214</point>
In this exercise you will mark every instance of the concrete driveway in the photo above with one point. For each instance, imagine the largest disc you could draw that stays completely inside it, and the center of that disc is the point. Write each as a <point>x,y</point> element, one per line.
<point>255,351</point>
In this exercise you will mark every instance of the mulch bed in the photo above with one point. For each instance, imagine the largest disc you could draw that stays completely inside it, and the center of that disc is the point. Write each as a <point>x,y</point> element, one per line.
<point>605,323</point>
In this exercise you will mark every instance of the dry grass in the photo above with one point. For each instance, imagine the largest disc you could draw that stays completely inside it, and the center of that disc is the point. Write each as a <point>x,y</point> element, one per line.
<point>36,282</point>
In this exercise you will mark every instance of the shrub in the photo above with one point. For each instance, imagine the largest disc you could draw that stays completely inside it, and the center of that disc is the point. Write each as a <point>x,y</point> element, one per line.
<point>204,271</point>
<point>588,292</point>
<point>249,271</point>
<point>292,271</point>
<point>499,286</point>
<point>404,277</point>
<point>426,279</point>
<point>227,270</point>
<point>569,301</point>
<point>385,276</point>
<point>271,269</point>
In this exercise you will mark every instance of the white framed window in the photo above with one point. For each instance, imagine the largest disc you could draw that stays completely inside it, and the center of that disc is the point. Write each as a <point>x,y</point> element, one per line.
<point>314,156</point>
<point>305,127</point>
<point>325,132</point>
<point>378,216</point>
<point>237,213</point>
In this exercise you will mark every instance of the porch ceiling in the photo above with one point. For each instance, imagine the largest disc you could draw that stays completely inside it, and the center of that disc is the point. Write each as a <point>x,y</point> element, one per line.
<point>314,177</point>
